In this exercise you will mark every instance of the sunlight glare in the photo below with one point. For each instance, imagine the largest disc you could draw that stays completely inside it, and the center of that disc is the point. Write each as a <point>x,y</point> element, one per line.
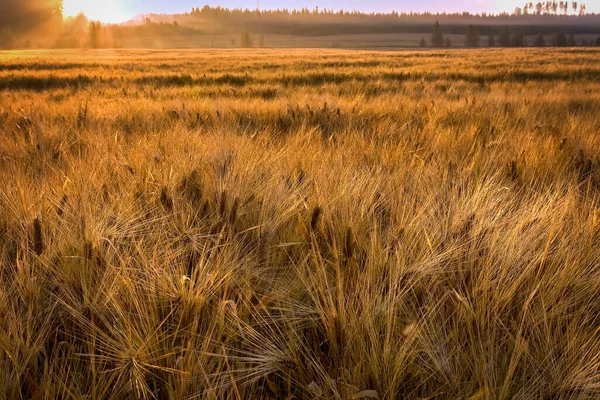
<point>108,11</point>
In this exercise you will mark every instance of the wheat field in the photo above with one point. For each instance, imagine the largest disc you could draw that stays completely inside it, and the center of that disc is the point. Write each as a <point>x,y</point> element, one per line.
<point>300,224</point>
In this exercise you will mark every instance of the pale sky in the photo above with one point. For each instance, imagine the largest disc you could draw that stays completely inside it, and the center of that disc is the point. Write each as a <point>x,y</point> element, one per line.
<point>121,10</point>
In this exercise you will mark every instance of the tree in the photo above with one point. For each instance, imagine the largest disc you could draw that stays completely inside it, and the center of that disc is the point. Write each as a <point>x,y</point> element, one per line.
<point>7,39</point>
<point>99,36</point>
<point>245,40</point>
<point>540,41</point>
<point>25,16</point>
<point>597,42</point>
<point>504,38</point>
<point>261,41</point>
<point>423,43</point>
<point>517,40</point>
<point>492,40</point>
<point>76,25</point>
<point>539,8</point>
<point>472,36</point>
<point>94,31</point>
<point>571,41</point>
<point>559,40</point>
<point>437,37</point>
<point>447,43</point>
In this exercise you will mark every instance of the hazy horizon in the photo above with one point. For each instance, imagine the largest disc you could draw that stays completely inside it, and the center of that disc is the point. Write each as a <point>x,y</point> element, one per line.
<point>123,10</point>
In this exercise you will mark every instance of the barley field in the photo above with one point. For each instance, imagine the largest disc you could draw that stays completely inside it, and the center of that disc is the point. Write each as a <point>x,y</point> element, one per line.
<point>300,224</point>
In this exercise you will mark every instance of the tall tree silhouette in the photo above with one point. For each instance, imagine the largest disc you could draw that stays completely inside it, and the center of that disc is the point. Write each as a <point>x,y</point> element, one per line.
<point>540,41</point>
<point>437,37</point>
<point>95,31</point>
<point>504,38</point>
<point>559,40</point>
<point>472,36</point>
<point>517,39</point>
<point>21,16</point>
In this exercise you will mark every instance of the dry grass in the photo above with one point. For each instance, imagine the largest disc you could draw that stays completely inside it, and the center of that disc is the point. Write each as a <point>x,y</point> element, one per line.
<point>300,225</point>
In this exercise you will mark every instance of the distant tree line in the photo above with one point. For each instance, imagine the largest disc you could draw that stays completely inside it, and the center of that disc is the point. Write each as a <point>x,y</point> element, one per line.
<point>551,8</point>
<point>22,16</point>
<point>506,38</point>
<point>540,9</point>
<point>102,36</point>
<point>545,11</point>
<point>551,23</point>
<point>320,22</point>
<point>19,18</point>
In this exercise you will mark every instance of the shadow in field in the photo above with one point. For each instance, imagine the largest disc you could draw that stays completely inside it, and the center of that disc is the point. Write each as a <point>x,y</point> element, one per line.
<point>37,83</point>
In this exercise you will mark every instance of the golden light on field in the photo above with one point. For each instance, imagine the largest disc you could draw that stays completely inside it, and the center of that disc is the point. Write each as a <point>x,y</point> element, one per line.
<point>110,11</point>
<point>211,221</point>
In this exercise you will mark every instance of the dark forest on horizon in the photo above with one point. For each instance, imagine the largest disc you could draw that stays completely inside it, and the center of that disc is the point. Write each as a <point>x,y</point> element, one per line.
<point>40,24</point>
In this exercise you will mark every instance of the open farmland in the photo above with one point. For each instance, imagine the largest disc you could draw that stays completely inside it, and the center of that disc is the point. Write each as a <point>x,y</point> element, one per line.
<point>300,224</point>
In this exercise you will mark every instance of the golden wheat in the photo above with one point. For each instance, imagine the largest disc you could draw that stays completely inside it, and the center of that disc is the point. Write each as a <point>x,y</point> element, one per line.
<point>294,224</point>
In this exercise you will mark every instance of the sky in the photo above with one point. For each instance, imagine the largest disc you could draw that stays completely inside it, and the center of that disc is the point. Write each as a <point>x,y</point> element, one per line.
<point>122,10</point>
